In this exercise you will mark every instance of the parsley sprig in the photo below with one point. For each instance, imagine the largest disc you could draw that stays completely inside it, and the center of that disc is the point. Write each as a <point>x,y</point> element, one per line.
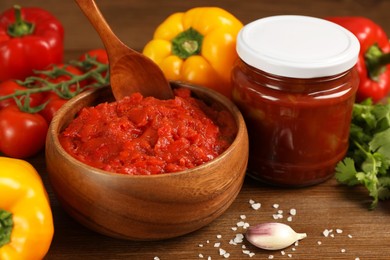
<point>368,158</point>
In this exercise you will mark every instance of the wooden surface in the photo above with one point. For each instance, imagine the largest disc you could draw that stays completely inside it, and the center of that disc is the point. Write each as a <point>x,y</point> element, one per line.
<point>325,206</point>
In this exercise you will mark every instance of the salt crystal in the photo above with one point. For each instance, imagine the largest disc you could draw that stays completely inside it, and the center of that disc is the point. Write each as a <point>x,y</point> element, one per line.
<point>240,224</point>
<point>200,256</point>
<point>343,250</point>
<point>280,211</point>
<point>247,252</point>
<point>296,243</point>
<point>246,225</point>
<point>293,212</point>
<point>319,242</point>
<point>277,216</point>
<point>239,238</point>
<point>275,206</point>
<point>156,258</point>
<point>289,218</point>
<point>217,244</point>
<point>222,252</point>
<point>226,255</point>
<point>243,217</point>
<point>326,232</point>
<point>256,206</point>
<point>251,202</point>
<point>339,231</point>
<point>200,245</point>
<point>243,246</point>
<point>234,228</point>
<point>350,236</point>
<point>293,249</point>
<point>332,235</point>
<point>282,252</point>
<point>289,255</point>
<point>219,236</point>
<point>231,242</point>
<point>208,241</point>
<point>270,257</point>
<point>251,254</point>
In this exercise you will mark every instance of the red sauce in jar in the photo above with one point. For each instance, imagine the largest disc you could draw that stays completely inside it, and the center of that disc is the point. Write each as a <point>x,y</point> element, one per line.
<point>295,84</point>
<point>298,129</point>
<point>144,136</point>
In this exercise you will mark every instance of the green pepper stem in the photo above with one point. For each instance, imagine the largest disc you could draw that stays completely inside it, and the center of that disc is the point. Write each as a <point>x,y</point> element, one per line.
<point>187,43</point>
<point>6,225</point>
<point>20,27</point>
<point>376,61</point>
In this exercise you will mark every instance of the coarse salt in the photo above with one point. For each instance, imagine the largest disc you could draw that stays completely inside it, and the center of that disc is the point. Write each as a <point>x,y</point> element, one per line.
<point>243,216</point>
<point>339,231</point>
<point>200,256</point>
<point>343,250</point>
<point>270,257</point>
<point>219,236</point>
<point>256,206</point>
<point>251,202</point>
<point>217,244</point>
<point>293,212</point>
<point>349,235</point>
<point>239,238</point>
<point>222,251</point>
<point>276,206</point>
<point>156,258</point>
<point>289,218</point>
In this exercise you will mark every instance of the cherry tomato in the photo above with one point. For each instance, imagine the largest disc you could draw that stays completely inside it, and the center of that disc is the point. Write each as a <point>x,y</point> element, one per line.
<point>72,69</point>
<point>21,134</point>
<point>9,86</point>
<point>52,107</point>
<point>100,54</point>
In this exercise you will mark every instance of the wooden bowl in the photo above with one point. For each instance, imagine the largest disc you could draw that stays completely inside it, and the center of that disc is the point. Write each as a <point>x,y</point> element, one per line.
<point>150,207</point>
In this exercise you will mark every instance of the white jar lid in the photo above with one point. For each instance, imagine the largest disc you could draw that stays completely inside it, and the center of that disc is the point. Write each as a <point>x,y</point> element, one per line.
<point>297,46</point>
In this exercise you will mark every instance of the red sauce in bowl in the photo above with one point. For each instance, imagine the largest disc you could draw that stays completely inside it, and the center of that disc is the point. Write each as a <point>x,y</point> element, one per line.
<point>144,136</point>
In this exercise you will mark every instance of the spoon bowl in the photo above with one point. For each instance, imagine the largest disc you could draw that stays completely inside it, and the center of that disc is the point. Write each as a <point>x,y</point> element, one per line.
<point>130,71</point>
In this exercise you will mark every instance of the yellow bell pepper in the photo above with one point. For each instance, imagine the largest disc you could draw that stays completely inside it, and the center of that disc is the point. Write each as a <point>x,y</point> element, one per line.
<point>26,222</point>
<point>197,46</point>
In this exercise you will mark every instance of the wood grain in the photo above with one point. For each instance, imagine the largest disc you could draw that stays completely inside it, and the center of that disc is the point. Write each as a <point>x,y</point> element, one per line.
<point>324,206</point>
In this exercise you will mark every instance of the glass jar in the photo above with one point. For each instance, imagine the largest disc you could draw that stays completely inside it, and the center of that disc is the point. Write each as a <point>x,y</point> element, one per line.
<point>295,84</point>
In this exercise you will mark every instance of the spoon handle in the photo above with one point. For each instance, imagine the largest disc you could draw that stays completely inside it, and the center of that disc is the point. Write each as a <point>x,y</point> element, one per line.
<point>92,12</point>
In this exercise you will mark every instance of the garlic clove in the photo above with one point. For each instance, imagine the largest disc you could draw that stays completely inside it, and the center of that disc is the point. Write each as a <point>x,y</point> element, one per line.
<point>272,236</point>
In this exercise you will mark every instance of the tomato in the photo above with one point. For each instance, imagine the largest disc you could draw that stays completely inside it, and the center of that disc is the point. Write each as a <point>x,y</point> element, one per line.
<point>21,134</point>
<point>100,55</point>
<point>9,86</point>
<point>69,68</point>
<point>52,107</point>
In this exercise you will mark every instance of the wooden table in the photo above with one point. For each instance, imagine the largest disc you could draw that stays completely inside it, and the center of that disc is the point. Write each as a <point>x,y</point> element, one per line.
<point>365,234</point>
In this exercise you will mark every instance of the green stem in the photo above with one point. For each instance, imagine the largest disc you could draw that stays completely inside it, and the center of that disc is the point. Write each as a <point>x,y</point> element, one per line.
<point>6,225</point>
<point>187,43</point>
<point>20,27</point>
<point>61,88</point>
<point>376,61</point>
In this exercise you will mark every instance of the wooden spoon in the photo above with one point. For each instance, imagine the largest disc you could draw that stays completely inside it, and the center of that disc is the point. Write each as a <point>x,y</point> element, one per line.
<point>130,71</point>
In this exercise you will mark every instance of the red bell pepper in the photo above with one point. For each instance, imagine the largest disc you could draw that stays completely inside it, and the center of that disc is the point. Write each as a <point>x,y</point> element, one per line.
<point>30,39</point>
<point>374,58</point>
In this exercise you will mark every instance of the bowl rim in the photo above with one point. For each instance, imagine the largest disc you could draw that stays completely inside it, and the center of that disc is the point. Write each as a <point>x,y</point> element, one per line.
<point>54,130</point>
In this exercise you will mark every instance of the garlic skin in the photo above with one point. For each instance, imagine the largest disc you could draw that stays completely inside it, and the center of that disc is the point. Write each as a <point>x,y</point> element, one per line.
<point>272,236</point>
